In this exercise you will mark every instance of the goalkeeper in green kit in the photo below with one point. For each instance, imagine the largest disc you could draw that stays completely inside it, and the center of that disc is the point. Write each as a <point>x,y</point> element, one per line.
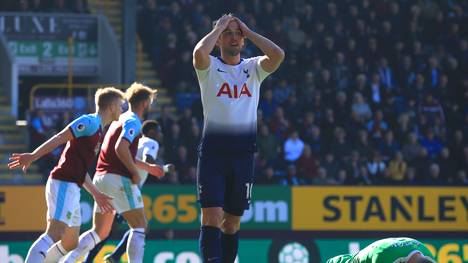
<point>389,250</point>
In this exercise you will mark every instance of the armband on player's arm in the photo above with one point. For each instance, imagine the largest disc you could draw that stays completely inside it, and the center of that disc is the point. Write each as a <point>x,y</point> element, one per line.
<point>84,126</point>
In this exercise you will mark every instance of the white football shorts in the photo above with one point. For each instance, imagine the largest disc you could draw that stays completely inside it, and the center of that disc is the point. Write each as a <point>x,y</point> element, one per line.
<point>63,202</point>
<point>126,196</point>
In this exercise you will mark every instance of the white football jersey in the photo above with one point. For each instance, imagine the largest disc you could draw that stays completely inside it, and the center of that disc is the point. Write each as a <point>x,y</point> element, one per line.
<point>146,146</point>
<point>230,96</point>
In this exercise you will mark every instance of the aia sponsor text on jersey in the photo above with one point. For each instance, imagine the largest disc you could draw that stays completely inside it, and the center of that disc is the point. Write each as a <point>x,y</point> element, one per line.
<point>233,92</point>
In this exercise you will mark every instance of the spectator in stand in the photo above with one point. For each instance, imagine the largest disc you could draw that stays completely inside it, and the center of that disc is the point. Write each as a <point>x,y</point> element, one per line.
<point>307,165</point>
<point>376,92</point>
<point>316,143</point>
<point>432,144</point>
<point>293,148</point>
<point>448,168</point>
<point>377,127</point>
<point>341,108</point>
<point>172,142</point>
<point>282,91</point>
<point>388,147</point>
<point>330,164</point>
<point>433,72</point>
<point>267,145</point>
<point>38,130</point>
<point>291,178</point>
<point>397,168</point>
<point>360,107</point>
<point>267,105</point>
<point>412,149</point>
<point>328,125</point>
<point>433,177</point>
<point>323,178</point>
<point>166,120</point>
<point>362,145</point>
<point>183,165</point>
<point>340,146</point>
<point>376,167</point>
<point>431,108</point>
<point>292,108</point>
<point>279,124</point>
<point>267,177</point>
<point>386,74</point>
<point>461,178</point>
<point>185,122</point>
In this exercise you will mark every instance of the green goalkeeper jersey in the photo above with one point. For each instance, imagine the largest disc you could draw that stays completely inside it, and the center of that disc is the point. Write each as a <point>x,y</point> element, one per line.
<point>389,250</point>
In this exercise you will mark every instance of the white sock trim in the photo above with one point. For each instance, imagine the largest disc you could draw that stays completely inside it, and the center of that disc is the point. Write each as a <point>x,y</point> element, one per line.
<point>95,237</point>
<point>47,239</point>
<point>61,249</point>
<point>140,230</point>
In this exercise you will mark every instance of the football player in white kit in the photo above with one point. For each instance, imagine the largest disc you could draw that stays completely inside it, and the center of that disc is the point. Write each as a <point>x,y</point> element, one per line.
<point>230,91</point>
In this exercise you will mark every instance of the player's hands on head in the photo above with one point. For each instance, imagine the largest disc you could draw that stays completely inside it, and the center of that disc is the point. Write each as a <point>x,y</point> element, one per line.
<point>104,202</point>
<point>243,27</point>
<point>20,160</point>
<point>223,21</point>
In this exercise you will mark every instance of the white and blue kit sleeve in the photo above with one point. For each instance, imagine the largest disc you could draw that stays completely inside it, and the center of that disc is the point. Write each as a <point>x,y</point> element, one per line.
<point>130,130</point>
<point>261,73</point>
<point>85,125</point>
<point>203,74</point>
<point>151,148</point>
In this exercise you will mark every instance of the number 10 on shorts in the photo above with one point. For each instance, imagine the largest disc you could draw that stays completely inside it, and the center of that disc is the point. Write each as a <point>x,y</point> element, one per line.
<point>249,190</point>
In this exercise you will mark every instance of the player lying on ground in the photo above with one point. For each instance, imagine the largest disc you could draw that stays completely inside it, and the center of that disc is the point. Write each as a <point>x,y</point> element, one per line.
<point>148,148</point>
<point>230,91</point>
<point>117,175</point>
<point>389,250</point>
<point>83,137</point>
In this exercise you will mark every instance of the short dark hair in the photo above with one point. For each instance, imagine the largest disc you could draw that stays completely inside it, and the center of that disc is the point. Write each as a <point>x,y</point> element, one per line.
<point>148,126</point>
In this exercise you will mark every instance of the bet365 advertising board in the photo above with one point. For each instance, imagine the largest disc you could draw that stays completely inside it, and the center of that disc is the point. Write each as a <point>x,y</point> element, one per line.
<point>399,209</point>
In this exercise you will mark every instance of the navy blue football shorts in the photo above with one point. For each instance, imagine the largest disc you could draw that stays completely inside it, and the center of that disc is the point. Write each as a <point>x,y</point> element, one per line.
<point>225,180</point>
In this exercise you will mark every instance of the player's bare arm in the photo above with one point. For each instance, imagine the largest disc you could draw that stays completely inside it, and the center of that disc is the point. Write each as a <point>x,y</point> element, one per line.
<point>24,160</point>
<point>274,55</point>
<point>122,149</point>
<point>201,53</point>
<point>152,169</point>
<point>102,200</point>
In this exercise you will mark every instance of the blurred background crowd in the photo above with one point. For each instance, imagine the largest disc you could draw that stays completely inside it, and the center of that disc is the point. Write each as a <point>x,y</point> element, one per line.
<point>370,93</point>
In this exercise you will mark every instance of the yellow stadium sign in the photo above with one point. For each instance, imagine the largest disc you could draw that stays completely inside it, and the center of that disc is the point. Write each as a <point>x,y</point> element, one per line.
<point>22,208</point>
<point>380,208</point>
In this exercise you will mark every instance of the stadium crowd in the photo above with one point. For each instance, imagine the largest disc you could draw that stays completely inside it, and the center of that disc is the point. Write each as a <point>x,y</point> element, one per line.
<point>371,92</point>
